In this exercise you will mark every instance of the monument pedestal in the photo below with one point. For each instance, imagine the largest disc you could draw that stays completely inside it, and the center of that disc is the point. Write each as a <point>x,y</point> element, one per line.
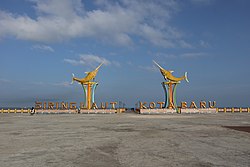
<point>99,111</point>
<point>156,111</point>
<point>170,94</point>
<point>89,93</point>
<point>198,111</point>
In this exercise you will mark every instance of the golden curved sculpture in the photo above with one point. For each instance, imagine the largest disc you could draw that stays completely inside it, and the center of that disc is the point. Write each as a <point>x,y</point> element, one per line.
<point>89,86</point>
<point>88,78</point>
<point>168,75</point>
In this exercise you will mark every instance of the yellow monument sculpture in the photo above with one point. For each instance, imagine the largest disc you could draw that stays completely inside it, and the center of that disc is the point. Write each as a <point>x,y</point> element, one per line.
<point>170,91</point>
<point>89,86</point>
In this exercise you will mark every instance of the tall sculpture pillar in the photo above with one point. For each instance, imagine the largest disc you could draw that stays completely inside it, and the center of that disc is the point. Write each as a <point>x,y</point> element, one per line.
<point>89,85</point>
<point>170,94</point>
<point>170,86</point>
<point>89,93</point>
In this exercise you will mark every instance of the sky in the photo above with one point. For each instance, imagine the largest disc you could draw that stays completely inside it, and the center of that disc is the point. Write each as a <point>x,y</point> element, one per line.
<point>42,42</point>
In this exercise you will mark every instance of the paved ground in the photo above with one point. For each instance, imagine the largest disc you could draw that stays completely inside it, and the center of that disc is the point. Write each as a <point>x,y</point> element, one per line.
<point>124,140</point>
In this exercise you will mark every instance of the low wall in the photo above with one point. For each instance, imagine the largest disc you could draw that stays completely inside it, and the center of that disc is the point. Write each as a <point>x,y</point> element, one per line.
<point>91,111</point>
<point>56,111</point>
<point>233,109</point>
<point>172,111</point>
<point>156,111</point>
<point>99,111</point>
<point>15,111</point>
<point>198,111</point>
<point>139,111</point>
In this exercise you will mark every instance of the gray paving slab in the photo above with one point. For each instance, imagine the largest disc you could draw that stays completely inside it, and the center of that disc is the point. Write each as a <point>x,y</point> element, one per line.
<point>124,140</point>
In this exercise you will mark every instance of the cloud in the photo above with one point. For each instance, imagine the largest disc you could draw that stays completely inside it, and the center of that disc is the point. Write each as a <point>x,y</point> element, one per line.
<point>43,47</point>
<point>61,84</point>
<point>152,68</point>
<point>4,81</point>
<point>116,22</point>
<point>193,55</point>
<point>116,63</point>
<point>160,55</point>
<point>184,44</point>
<point>204,44</point>
<point>202,2</point>
<point>165,55</point>
<point>91,60</point>
<point>157,37</point>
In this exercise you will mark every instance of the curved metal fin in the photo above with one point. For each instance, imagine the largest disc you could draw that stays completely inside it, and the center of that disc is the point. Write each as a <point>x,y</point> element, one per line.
<point>186,78</point>
<point>73,75</point>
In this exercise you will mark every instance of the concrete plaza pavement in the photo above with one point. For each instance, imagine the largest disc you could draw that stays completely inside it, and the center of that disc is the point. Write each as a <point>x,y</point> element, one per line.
<point>124,140</point>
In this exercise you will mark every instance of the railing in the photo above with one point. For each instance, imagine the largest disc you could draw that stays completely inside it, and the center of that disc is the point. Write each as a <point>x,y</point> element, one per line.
<point>220,110</point>
<point>15,111</point>
<point>233,109</point>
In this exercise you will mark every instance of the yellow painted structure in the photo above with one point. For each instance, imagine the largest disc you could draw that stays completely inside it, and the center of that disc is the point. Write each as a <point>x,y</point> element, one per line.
<point>88,85</point>
<point>171,94</point>
<point>169,76</point>
<point>88,78</point>
<point>90,88</point>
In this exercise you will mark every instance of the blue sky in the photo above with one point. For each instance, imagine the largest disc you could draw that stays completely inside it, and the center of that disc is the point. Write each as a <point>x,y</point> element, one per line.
<point>43,41</point>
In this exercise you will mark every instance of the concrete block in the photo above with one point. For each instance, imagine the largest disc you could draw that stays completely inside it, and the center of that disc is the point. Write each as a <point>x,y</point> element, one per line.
<point>157,111</point>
